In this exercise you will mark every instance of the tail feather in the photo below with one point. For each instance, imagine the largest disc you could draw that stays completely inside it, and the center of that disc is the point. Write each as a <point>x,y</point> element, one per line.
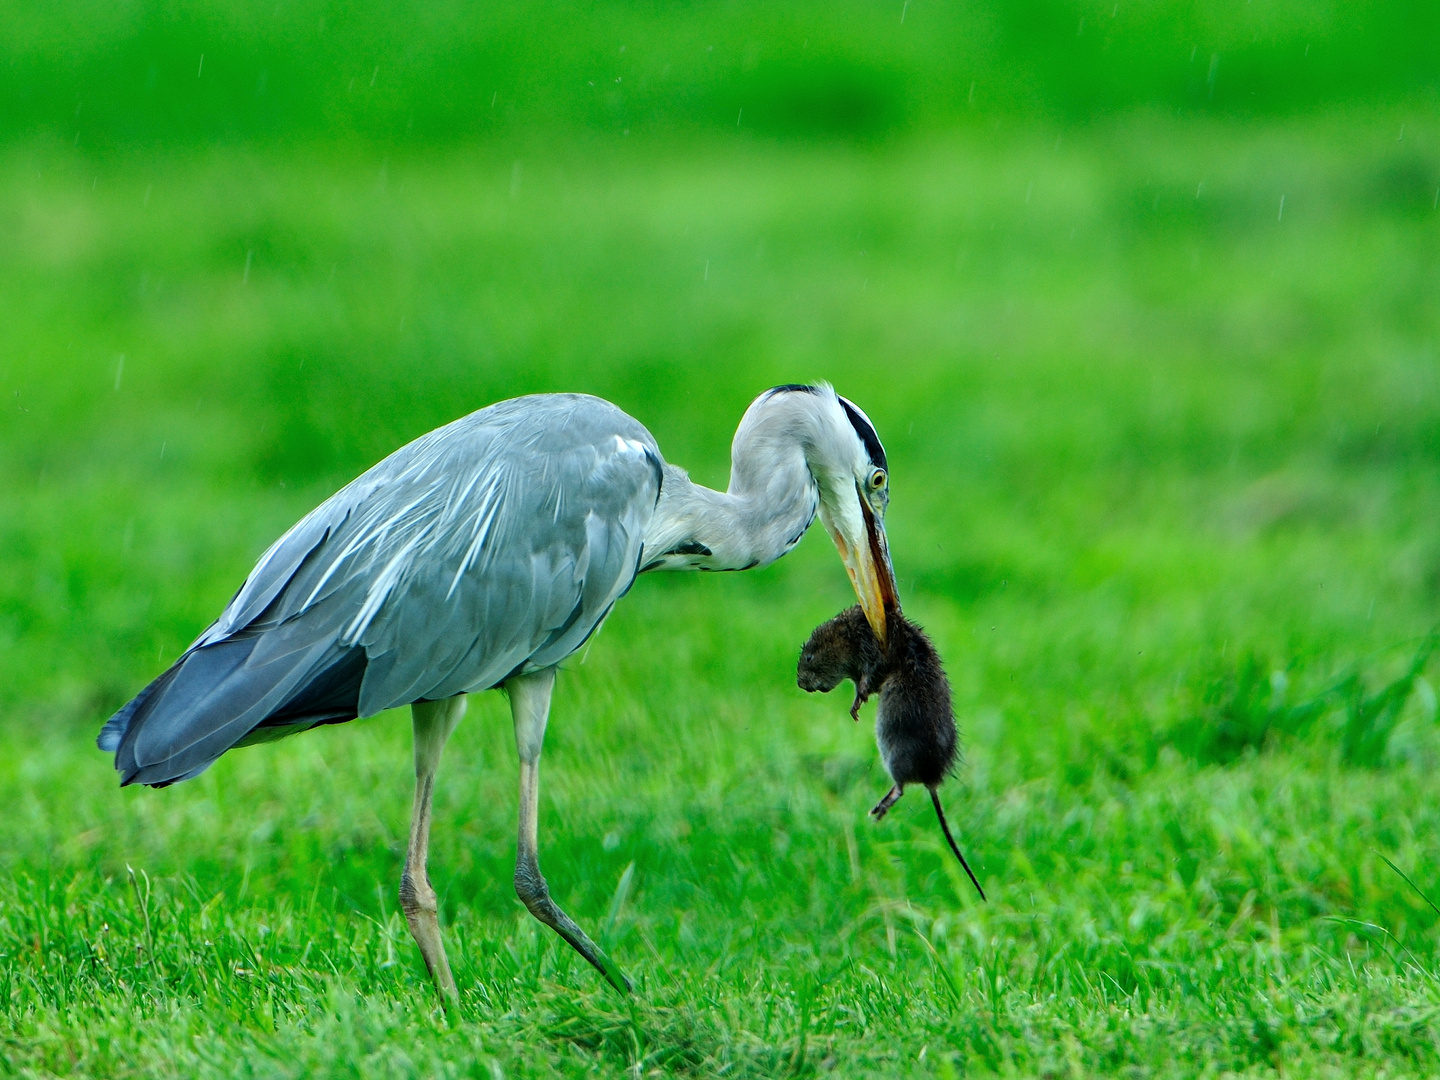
<point>216,696</point>
<point>185,711</point>
<point>113,733</point>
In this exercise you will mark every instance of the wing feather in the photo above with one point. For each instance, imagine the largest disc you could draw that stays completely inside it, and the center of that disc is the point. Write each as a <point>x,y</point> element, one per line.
<point>495,544</point>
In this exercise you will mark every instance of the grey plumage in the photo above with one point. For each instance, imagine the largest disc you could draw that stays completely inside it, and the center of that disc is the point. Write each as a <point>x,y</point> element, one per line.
<point>481,555</point>
<point>489,547</point>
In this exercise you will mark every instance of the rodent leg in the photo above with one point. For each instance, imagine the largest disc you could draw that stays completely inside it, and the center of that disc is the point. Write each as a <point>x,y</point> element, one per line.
<point>883,806</point>
<point>862,695</point>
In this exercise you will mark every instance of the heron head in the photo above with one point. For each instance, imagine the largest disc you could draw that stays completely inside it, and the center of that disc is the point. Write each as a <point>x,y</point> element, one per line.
<point>845,457</point>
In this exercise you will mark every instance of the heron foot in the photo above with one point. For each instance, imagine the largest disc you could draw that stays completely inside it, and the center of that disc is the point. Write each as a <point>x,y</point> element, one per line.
<point>533,891</point>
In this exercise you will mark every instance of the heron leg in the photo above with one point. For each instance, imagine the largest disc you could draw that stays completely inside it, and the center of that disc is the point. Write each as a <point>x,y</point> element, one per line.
<point>434,721</point>
<point>530,704</point>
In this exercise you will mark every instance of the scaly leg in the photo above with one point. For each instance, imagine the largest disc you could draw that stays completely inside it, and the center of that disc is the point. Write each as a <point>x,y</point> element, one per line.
<point>530,705</point>
<point>434,721</point>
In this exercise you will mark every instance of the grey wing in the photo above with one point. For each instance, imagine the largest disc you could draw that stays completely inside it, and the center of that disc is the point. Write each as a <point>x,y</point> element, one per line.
<point>493,545</point>
<point>546,544</point>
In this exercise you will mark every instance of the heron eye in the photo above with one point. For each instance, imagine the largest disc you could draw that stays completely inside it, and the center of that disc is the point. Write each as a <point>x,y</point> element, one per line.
<point>877,479</point>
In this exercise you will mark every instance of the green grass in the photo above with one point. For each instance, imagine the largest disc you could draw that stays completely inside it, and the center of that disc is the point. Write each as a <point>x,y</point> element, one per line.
<point>1166,467</point>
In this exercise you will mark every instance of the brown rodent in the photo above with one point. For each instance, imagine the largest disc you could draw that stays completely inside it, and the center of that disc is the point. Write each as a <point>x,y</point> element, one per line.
<point>915,723</point>
<point>843,648</point>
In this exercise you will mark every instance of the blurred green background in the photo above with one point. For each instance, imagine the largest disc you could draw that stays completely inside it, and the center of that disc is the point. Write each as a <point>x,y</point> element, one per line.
<point>405,74</point>
<point>1142,300</point>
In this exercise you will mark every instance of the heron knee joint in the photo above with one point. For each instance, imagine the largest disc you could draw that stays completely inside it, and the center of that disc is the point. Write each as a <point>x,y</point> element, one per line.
<point>414,898</point>
<point>530,885</point>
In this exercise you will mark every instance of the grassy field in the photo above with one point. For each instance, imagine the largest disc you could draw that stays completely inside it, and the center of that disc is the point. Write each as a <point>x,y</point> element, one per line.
<point>1162,405</point>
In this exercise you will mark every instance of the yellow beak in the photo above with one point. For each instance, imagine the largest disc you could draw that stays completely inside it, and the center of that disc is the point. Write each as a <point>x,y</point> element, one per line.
<point>866,556</point>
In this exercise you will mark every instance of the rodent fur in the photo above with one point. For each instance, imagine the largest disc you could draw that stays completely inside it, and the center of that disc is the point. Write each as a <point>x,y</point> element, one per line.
<point>915,724</point>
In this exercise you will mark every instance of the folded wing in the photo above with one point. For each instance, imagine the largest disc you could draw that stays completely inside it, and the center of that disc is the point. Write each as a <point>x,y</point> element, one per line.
<point>491,546</point>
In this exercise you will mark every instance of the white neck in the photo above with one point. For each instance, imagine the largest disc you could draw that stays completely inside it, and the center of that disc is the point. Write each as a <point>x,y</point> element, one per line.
<point>771,500</point>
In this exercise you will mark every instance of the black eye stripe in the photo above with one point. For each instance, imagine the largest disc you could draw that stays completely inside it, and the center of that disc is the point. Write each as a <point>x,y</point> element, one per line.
<point>867,435</point>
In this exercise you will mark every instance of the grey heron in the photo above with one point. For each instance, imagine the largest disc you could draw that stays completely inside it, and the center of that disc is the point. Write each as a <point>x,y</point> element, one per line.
<point>480,556</point>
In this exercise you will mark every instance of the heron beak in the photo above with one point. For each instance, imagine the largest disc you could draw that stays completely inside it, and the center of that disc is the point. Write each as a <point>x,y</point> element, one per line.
<point>860,540</point>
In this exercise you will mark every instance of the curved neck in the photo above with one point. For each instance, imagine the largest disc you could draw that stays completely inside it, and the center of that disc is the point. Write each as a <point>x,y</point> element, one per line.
<point>771,500</point>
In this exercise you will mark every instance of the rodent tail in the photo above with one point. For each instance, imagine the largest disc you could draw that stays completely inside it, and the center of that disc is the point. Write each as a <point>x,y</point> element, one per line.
<point>940,813</point>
